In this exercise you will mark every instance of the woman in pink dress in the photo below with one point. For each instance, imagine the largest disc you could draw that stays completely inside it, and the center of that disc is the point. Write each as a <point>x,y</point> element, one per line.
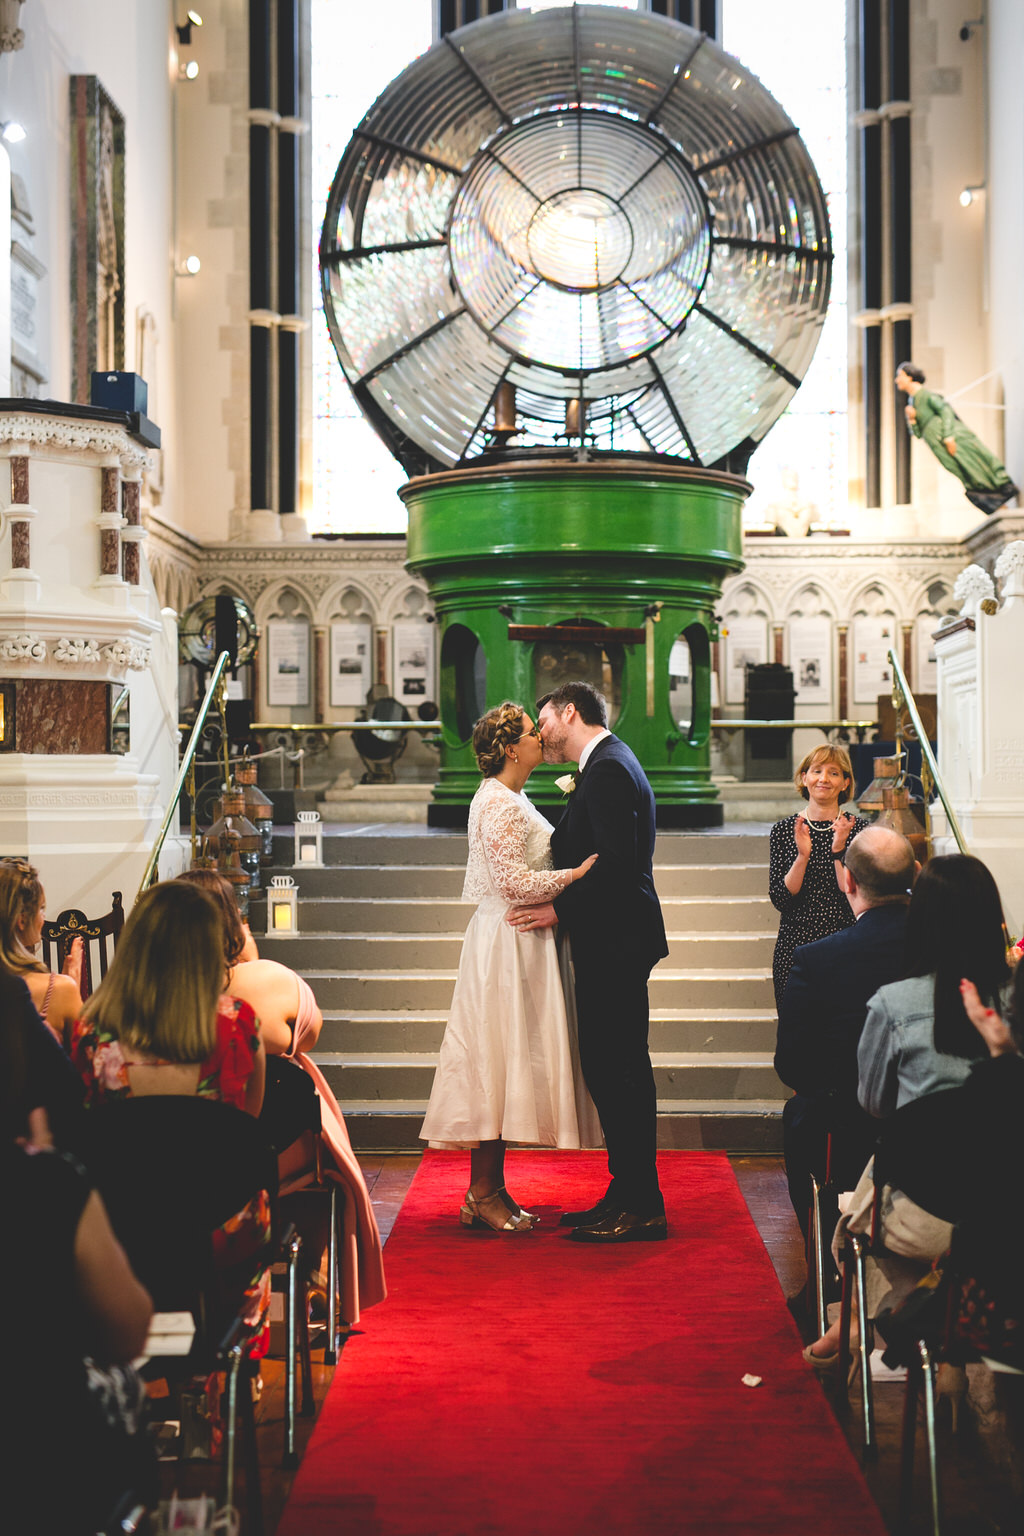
<point>290,1024</point>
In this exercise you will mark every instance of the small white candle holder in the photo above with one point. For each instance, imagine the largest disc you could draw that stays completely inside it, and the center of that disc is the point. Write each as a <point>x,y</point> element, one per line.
<point>282,905</point>
<point>309,839</point>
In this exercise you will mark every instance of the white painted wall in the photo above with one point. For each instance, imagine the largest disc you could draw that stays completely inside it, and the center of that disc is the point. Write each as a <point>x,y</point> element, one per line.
<point>127,45</point>
<point>1005,318</point>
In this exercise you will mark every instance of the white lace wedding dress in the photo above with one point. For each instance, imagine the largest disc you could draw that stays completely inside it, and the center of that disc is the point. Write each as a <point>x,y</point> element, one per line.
<point>509,1061</point>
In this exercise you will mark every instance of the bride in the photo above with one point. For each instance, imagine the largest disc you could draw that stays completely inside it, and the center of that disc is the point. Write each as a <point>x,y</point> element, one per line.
<point>509,1065</point>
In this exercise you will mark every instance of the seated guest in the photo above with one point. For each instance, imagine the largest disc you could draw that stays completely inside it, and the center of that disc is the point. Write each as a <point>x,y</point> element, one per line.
<point>159,1023</point>
<point>989,1250</point>
<point>76,1317</point>
<point>52,1084</point>
<point>823,1011</point>
<point>291,1022</point>
<point>918,1041</point>
<point>22,914</point>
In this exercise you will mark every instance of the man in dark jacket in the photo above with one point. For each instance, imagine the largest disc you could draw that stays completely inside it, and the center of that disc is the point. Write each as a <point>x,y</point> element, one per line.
<point>614,921</point>
<point>823,1012</point>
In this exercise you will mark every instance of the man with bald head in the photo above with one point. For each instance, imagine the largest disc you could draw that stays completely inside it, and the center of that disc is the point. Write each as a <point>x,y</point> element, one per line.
<point>823,1012</point>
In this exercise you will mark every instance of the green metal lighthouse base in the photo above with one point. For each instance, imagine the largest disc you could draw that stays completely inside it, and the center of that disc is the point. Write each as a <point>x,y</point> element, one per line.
<point>546,569</point>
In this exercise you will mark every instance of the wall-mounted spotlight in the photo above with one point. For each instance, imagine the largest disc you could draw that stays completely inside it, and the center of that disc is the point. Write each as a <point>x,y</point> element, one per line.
<point>188,71</point>
<point>12,132</point>
<point>190,267</point>
<point>192,19</point>
<point>968,195</point>
<point>969,26</point>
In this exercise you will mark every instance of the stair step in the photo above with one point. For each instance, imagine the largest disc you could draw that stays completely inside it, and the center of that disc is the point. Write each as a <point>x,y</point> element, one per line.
<point>369,952</point>
<point>688,1030</point>
<point>406,1075</point>
<point>439,914</point>
<point>436,845</point>
<point>445,881</point>
<point>734,988</point>
<point>753,1127</point>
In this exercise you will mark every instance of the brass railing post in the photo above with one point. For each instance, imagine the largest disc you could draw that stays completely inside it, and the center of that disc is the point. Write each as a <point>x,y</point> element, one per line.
<point>216,678</point>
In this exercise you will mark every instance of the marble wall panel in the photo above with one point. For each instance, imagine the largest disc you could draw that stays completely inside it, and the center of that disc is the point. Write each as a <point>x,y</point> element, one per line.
<point>55,716</point>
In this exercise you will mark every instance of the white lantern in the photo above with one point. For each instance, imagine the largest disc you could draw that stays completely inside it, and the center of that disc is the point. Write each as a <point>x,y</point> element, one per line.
<point>309,839</point>
<point>282,905</point>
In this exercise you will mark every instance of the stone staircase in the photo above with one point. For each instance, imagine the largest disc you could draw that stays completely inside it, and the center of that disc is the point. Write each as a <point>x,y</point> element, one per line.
<point>380,933</point>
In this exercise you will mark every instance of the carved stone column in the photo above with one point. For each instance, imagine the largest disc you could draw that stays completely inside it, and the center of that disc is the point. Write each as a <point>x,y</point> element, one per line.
<point>843,632</point>
<point>319,673</point>
<point>908,655</point>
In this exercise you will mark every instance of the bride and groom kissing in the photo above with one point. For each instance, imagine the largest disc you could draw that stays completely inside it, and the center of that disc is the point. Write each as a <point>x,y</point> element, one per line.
<point>532,1045</point>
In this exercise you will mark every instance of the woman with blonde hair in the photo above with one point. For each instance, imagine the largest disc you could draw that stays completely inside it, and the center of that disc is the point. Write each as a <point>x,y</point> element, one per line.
<point>22,914</point>
<point>509,1066</point>
<point>159,1023</point>
<point>806,851</point>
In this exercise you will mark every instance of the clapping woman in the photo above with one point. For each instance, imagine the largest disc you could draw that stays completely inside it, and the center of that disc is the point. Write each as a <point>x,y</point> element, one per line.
<point>508,1069</point>
<point>805,853</point>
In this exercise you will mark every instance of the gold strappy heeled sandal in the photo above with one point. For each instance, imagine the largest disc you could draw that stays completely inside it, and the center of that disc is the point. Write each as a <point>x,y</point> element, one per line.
<point>492,1212</point>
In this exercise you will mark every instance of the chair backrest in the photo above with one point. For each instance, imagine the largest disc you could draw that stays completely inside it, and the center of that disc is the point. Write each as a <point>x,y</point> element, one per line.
<point>98,931</point>
<point>171,1170</point>
<point>291,1104</point>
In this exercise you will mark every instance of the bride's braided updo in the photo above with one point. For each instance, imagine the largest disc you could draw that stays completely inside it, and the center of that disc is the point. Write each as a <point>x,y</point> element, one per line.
<point>495,731</point>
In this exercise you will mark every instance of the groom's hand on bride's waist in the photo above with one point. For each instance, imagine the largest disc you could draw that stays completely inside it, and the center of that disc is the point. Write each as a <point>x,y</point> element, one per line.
<point>530,919</point>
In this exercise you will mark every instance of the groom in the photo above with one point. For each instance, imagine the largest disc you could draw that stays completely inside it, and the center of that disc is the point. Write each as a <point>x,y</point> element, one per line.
<point>614,920</point>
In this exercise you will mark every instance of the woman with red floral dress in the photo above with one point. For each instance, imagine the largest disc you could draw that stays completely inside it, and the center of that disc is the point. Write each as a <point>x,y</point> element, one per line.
<point>158,1025</point>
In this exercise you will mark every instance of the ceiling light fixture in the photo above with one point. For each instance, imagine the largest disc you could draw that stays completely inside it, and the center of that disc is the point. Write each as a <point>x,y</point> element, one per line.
<point>12,132</point>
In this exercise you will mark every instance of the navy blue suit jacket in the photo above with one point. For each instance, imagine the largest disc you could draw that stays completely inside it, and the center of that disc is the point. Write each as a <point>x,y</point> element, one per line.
<point>826,1002</point>
<point>613,912</point>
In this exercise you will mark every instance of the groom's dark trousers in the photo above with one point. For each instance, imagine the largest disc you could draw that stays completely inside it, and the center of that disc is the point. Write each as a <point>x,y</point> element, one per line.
<point>613,918</point>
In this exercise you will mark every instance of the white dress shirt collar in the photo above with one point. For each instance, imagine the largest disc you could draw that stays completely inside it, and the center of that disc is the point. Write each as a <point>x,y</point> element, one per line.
<point>591,744</point>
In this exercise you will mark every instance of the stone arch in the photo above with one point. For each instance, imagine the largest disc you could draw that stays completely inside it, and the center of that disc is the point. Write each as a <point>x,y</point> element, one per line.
<point>810,600</point>
<point>875,599</point>
<point>286,599</point>
<point>348,601</point>
<point>411,601</point>
<point>747,599</point>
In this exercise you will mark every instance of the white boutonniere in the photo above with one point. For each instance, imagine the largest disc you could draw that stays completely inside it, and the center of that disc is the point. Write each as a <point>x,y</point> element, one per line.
<point>567,783</point>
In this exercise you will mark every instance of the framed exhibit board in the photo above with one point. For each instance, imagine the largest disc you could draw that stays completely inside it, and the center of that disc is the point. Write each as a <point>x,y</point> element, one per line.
<point>872,640</point>
<point>351,671</point>
<point>746,644</point>
<point>412,663</point>
<point>287,662</point>
<point>926,673</point>
<point>810,657</point>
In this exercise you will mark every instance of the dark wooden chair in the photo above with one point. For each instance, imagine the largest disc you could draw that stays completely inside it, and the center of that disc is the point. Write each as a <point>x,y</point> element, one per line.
<point>101,932</point>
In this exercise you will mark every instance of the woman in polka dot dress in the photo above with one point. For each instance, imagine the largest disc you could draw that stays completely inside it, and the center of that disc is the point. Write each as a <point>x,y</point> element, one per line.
<point>806,852</point>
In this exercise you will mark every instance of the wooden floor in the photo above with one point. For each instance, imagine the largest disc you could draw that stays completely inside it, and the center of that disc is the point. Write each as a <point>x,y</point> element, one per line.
<point>982,1477</point>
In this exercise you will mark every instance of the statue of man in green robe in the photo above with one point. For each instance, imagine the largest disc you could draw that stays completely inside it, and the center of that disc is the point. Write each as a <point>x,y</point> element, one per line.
<point>985,481</point>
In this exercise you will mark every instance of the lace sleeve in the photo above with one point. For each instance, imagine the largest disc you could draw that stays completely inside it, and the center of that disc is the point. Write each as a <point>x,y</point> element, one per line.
<point>503,832</point>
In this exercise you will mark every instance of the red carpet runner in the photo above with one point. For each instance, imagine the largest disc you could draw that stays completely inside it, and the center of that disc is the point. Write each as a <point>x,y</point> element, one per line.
<point>517,1384</point>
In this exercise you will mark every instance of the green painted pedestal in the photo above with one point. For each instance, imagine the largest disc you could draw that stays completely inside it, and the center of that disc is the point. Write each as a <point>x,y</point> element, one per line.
<point>546,542</point>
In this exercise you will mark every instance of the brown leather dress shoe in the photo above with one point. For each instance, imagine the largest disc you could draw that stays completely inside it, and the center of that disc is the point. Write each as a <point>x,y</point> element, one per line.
<point>623,1227</point>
